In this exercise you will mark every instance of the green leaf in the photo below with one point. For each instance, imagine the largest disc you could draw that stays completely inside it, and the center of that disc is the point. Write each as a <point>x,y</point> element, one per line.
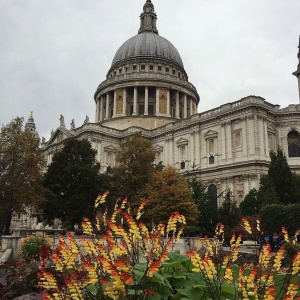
<point>161,280</point>
<point>92,289</point>
<point>193,292</point>
<point>141,266</point>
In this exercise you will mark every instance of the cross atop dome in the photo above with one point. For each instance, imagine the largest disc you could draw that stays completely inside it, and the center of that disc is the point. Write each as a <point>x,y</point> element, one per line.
<point>148,18</point>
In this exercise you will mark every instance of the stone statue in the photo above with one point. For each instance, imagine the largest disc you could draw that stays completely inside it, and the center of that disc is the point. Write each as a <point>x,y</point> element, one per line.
<point>72,124</point>
<point>43,140</point>
<point>52,132</point>
<point>62,121</point>
<point>87,119</point>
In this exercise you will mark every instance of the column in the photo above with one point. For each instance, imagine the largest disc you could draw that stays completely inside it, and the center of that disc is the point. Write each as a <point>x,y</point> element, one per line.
<point>98,151</point>
<point>134,101</point>
<point>97,111</point>
<point>261,136</point>
<point>168,103</point>
<point>146,102</point>
<point>124,101</point>
<point>192,153</point>
<point>228,139</point>
<point>266,138</point>
<point>157,102</point>
<point>177,115</point>
<point>244,137</point>
<point>197,148</point>
<point>107,106</point>
<point>166,152</point>
<point>191,107</point>
<point>115,104</point>
<point>223,139</point>
<point>101,109</point>
<point>251,135</point>
<point>171,151</point>
<point>185,106</point>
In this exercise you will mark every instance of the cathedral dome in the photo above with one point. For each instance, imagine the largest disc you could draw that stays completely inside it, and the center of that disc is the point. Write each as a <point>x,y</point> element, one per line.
<point>146,85</point>
<point>147,45</point>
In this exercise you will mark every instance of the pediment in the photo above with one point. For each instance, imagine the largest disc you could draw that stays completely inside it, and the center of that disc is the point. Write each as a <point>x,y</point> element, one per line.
<point>59,135</point>
<point>211,134</point>
<point>182,142</point>
<point>158,148</point>
<point>109,148</point>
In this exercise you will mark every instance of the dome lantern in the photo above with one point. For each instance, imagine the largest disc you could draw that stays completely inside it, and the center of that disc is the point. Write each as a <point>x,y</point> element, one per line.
<point>148,18</point>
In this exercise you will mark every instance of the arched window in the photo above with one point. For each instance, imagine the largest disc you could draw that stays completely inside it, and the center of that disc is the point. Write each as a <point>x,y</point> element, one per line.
<point>294,143</point>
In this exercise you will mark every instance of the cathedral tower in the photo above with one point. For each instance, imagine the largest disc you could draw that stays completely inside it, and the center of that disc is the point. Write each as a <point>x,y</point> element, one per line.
<point>297,73</point>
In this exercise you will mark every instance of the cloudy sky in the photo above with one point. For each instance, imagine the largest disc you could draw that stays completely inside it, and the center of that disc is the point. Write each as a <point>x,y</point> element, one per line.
<point>54,53</point>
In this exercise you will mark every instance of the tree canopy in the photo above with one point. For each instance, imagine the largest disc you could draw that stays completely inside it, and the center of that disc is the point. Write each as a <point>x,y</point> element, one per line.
<point>280,185</point>
<point>135,166</point>
<point>251,204</point>
<point>74,182</point>
<point>206,205</point>
<point>229,213</point>
<point>21,165</point>
<point>280,175</point>
<point>169,192</point>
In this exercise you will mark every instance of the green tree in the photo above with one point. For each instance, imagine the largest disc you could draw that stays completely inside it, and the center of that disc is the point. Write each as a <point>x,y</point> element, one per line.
<point>74,182</point>
<point>134,169</point>
<point>280,185</point>
<point>169,192</point>
<point>267,193</point>
<point>274,216</point>
<point>206,205</point>
<point>250,206</point>
<point>280,175</point>
<point>21,165</point>
<point>229,214</point>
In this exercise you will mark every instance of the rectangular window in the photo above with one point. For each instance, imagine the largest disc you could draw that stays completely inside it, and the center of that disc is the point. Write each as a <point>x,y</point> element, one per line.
<point>150,109</point>
<point>151,67</point>
<point>134,68</point>
<point>167,70</point>
<point>143,67</point>
<point>141,109</point>
<point>174,72</point>
<point>120,71</point>
<point>159,68</point>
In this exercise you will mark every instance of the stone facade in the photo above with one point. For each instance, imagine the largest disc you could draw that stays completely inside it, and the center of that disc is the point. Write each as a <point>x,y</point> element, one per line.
<point>147,89</point>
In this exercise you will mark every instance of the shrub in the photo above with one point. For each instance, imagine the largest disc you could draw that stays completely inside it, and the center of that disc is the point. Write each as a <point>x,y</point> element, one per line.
<point>274,216</point>
<point>31,246</point>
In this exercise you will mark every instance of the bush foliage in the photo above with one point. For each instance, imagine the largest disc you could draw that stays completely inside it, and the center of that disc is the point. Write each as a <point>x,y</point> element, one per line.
<point>274,216</point>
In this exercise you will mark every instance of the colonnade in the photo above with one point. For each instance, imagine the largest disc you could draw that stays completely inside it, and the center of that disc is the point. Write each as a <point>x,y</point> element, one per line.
<point>145,100</point>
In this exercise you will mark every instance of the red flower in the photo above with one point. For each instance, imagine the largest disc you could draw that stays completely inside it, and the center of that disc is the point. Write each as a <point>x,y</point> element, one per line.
<point>148,292</point>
